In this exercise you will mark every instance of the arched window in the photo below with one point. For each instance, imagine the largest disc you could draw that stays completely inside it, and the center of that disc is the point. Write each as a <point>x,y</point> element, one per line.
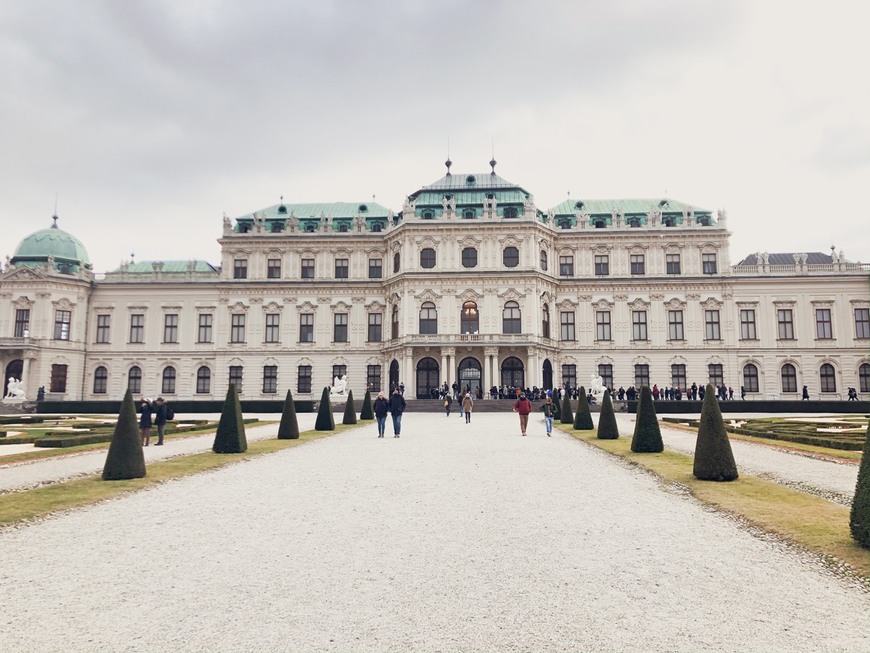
<point>134,380</point>
<point>469,320</point>
<point>168,385</point>
<point>789,378</point>
<point>545,321</point>
<point>396,260</point>
<point>513,373</point>
<point>427,378</point>
<point>428,318</point>
<point>828,378</point>
<point>469,257</point>
<point>101,378</point>
<point>203,380</point>
<point>427,258</point>
<point>394,322</point>
<point>864,378</point>
<point>510,318</point>
<point>750,378</point>
<point>511,257</point>
<point>544,260</point>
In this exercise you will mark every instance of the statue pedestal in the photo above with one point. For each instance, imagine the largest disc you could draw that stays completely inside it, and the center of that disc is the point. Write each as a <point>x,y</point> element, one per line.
<point>338,399</point>
<point>14,401</point>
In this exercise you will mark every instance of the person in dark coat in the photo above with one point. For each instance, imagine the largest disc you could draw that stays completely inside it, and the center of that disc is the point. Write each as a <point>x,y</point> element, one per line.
<point>380,408</point>
<point>523,406</point>
<point>447,401</point>
<point>549,413</point>
<point>160,416</point>
<point>145,421</point>
<point>397,407</point>
<point>467,406</point>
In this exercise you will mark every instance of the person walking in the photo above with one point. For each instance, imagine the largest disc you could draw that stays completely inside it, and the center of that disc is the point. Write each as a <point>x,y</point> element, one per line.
<point>549,413</point>
<point>467,406</point>
<point>805,393</point>
<point>145,421</point>
<point>523,406</point>
<point>381,407</point>
<point>397,407</point>
<point>461,401</point>
<point>161,414</point>
<point>447,401</point>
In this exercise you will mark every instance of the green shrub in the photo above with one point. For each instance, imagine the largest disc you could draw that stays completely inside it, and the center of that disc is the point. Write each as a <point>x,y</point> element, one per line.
<point>367,412</point>
<point>583,418</point>
<point>289,427</point>
<point>566,416</point>
<point>557,411</point>
<point>349,410</point>
<point>325,421</point>
<point>859,517</point>
<point>230,435</point>
<point>125,459</point>
<point>714,460</point>
<point>647,436</point>
<point>607,427</point>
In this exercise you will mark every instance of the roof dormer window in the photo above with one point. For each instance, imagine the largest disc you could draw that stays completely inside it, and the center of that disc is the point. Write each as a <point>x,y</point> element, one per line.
<point>470,180</point>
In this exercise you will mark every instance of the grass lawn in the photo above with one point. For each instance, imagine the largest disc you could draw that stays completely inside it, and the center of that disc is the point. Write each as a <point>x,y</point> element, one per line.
<point>803,519</point>
<point>40,502</point>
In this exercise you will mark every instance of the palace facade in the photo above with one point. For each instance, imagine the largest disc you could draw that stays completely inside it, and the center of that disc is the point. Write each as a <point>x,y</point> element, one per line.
<point>470,283</point>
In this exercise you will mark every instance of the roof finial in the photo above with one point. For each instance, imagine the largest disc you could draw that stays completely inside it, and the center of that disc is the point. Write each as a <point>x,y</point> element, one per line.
<point>448,162</point>
<point>492,161</point>
<point>54,223</point>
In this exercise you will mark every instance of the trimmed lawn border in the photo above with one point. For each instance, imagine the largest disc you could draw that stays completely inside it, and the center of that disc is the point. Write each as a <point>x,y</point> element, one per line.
<point>41,502</point>
<point>808,521</point>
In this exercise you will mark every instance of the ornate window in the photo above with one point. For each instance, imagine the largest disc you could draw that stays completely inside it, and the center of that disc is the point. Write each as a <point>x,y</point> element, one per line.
<point>273,328</point>
<point>62,320</point>
<point>569,376</point>
<point>373,377</point>
<point>789,378</point>
<point>672,263</point>
<point>510,212</point>
<point>715,374</point>
<point>511,257</point>
<point>303,379</point>
<point>22,322</point>
<point>566,266</point>
<point>57,382</point>
<point>545,321</point>
<point>638,264</point>
<point>341,268</point>
<point>104,323</point>
<point>134,380</point>
<point>376,268</point>
<point>427,258</point>
<point>237,327</point>
<point>170,328</point>
<point>394,322</point>
<point>167,386</point>
<point>864,378</point>
<point>712,329</point>
<point>203,380</point>
<point>785,324</point>
<point>602,265</point>
<point>708,264</point>
<point>428,318</point>
<point>605,371</point>
<point>306,327</point>
<point>307,268</point>
<point>862,323</point>
<point>828,378</point>
<point>236,376</point>
<point>339,327</point>
<point>824,330</point>
<point>101,378</point>
<point>469,257</point>
<point>602,326</point>
<point>270,379</point>
<point>511,319</point>
<point>747,324</point>
<point>205,325</point>
<point>396,261</point>
<point>137,328</point>
<point>469,319</point>
<point>638,325</point>
<point>376,321</point>
<point>750,378</point>
<point>641,375</point>
<point>273,268</point>
<point>678,375</point>
<point>240,268</point>
<point>675,325</point>
<point>544,260</point>
<point>566,323</point>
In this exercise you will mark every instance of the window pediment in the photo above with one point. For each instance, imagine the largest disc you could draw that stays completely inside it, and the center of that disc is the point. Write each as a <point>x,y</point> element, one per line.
<point>638,304</point>
<point>469,295</point>
<point>64,304</point>
<point>238,307</point>
<point>306,307</point>
<point>675,304</point>
<point>26,302</point>
<point>711,303</point>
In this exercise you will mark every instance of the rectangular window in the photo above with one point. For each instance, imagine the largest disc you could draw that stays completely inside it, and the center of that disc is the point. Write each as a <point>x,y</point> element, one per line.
<point>306,327</point>
<point>394,323</point>
<point>567,325</point>
<point>104,323</point>
<point>602,325</point>
<point>747,324</point>
<point>270,379</point>
<point>236,372</point>
<point>672,261</point>
<point>566,266</point>
<point>273,328</point>
<point>22,322</point>
<point>62,321</point>
<point>373,377</point>
<point>339,327</point>
<point>605,371</point>
<point>137,328</point>
<point>307,271</point>
<point>204,331</point>
<point>339,370</point>
<point>602,265</point>
<point>57,383</point>
<point>237,327</point>
<point>341,268</point>
<point>823,324</point>
<point>716,374</point>
<point>170,327</point>
<point>675,325</point>
<point>678,376</point>
<point>303,379</point>
<point>638,325</point>
<point>638,264</point>
<point>641,376</point>
<point>273,268</point>
<point>708,263</point>
<point>569,376</point>
<point>376,321</point>
<point>240,268</point>
<point>376,268</point>
<point>785,324</point>
<point>862,323</point>
<point>711,325</point>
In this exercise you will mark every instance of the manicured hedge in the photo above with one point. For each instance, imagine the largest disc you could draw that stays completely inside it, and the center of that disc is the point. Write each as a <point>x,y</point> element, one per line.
<point>762,406</point>
<point>113,407</point>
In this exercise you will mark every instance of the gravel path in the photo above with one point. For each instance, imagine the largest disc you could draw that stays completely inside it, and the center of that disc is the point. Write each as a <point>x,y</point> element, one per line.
<point>467,538</point>
<point>24,475</point>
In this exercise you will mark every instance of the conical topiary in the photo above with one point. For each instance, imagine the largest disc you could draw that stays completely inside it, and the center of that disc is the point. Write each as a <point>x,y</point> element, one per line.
<point>125,459</point>
<point>566,416</point>
<point>583,418</point>
<point>859,517</point>
<point>230,436</point>
<point>366,412</point>
<point>325,420</point>
<point>647,436</point>
<point>289,427</point>
<point>349,411</point>
<point>557,409</point>
<point>607,427</point>
<point>713,458</point>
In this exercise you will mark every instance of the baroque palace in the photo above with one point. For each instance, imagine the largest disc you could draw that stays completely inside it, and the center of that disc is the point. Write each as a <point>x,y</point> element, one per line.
<point>470,283</point>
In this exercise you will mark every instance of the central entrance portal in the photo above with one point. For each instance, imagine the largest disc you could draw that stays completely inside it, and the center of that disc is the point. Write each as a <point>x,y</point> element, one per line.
<point>470,374</point>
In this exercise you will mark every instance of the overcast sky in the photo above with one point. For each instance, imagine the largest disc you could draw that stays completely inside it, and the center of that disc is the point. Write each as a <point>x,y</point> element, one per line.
<point>150,120</point>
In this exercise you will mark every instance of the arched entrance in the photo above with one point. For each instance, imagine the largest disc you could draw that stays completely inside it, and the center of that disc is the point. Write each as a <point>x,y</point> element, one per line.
<point>512,372</point>
<point>470,374</point>
<point>14,370</point>
<point>427,378</point>
<point>548,374</point>
<point>394,375</point>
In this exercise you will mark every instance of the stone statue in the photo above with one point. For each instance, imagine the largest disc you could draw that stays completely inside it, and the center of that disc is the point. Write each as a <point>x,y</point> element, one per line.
<point>15,391</point>
<point>339,385</point>
<point>596,385</point>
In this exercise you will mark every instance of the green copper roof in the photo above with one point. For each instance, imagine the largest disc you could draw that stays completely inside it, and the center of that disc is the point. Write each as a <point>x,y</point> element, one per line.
<point>317,210</point>
<point>625,206</point>
<point>468,181</point>
<point>171,267</point>
<point>67,251</point>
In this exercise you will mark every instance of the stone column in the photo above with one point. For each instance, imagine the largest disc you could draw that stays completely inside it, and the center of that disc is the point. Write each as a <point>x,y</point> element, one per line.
<point>490,367</point>
<point>532,368</point>
<point>409,378</point>
<point>448,357</point>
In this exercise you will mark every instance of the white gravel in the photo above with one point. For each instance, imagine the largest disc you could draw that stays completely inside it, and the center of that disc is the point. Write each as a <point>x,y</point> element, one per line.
<point>451,538</point>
